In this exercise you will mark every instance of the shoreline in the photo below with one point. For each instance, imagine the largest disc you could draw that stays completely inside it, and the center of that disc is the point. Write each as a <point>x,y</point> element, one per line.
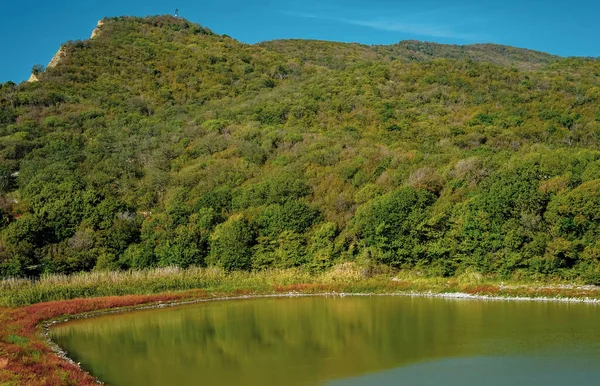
<point>46,325</point>
<point>425,294</point>
<point>26,328</point>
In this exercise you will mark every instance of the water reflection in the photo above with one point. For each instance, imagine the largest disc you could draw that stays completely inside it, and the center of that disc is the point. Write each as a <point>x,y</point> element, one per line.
<point>308,341</point>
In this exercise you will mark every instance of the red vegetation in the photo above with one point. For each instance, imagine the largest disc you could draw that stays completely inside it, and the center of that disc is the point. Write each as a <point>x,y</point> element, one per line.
<point>26,359</point>
<point>305,288</point>
<point>483,290</point>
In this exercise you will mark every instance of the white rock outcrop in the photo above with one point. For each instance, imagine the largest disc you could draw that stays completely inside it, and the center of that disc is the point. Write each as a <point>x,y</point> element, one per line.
<point>96,30</point>
<point>57,57</point>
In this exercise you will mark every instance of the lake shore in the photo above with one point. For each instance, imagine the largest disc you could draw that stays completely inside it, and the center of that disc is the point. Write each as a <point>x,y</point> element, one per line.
<point>27,357</point>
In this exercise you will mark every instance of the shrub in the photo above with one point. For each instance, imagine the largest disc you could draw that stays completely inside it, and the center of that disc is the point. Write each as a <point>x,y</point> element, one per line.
<point>231,244</point>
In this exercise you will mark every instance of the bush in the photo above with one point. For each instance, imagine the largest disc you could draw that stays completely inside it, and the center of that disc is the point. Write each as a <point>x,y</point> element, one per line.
<point>293,215</point>
<point>231,245</point>
<point>392,225</point>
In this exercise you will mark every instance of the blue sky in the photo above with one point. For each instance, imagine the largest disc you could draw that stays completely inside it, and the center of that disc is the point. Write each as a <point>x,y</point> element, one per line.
<point>32,31</point>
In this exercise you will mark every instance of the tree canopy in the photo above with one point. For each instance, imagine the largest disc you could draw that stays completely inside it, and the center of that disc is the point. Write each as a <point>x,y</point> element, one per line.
<point>159,142</point>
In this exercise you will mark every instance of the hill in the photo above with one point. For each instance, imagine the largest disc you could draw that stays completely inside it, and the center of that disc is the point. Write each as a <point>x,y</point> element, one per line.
<point>340,55</point>
<point>158,142</point>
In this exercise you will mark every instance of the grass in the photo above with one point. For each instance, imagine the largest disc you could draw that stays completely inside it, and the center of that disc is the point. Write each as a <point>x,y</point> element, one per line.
<point>26,358</point>
<point>19,292</point>
<point>349,276</point>
<point>16,339</point>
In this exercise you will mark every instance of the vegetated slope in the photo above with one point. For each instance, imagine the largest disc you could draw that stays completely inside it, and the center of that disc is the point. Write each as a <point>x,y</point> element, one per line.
<point>492,53</point>
<point>340,55</point>
<point>160,143</point>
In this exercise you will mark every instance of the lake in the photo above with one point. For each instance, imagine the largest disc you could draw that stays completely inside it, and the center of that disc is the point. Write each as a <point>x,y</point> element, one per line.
<point>342,341</point>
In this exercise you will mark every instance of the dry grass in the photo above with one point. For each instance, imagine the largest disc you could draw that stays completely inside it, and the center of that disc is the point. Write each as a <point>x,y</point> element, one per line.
<point>18,292</point>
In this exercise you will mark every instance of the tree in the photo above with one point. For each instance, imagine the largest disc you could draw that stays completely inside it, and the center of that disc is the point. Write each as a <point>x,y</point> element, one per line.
<point>293,215</point>
<point>392,225</point>
<point>231,244</point>
<point>37,69</point>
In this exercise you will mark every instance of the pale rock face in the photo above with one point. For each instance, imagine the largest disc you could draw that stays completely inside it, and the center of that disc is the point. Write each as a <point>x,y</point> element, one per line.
<point>33,78</point>
<point>57,57</point>
<point>96,30</point>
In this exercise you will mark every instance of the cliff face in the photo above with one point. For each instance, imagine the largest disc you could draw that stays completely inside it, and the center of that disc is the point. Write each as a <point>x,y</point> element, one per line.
<point>57,57</point>
<point>33,78</point>
<point>97,30</point>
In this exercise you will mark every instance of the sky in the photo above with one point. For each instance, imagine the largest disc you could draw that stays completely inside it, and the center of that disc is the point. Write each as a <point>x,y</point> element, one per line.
<point>32,31</point>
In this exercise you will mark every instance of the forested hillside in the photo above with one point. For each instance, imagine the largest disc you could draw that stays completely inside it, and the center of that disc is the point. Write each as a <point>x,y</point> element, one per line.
<point>160,143</point>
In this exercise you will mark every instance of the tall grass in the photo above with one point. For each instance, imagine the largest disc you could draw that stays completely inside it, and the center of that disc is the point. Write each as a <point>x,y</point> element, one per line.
<point>17,292</point>
<point>344,277</point>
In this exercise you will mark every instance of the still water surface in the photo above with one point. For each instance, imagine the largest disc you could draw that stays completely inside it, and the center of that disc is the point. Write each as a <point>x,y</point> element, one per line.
<point>381,340</point>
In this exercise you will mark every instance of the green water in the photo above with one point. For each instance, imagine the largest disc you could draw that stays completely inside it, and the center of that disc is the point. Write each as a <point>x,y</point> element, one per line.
<point>347,341</point>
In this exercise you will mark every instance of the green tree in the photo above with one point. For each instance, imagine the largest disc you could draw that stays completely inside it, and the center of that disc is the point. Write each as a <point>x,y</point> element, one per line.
<point>392,225</point>
<point>231,244</point>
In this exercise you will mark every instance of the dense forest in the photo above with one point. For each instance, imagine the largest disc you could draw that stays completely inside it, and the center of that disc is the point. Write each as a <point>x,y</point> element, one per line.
<point>160,143</point>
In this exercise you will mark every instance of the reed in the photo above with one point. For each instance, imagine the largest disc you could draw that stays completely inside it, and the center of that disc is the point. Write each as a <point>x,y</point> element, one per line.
<point>345,277</point>
<point>18,292</point>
